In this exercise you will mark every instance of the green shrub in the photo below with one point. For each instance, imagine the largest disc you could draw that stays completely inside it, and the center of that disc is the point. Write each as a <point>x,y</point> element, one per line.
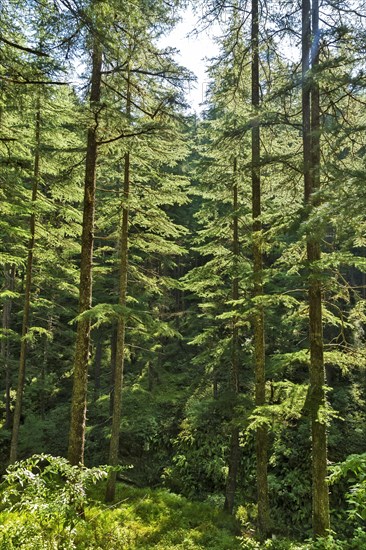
<point>46,496</point>
<point>199,462</point>
<point>353,470</point>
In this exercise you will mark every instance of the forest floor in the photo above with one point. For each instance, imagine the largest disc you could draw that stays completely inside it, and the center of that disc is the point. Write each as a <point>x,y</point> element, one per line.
<point>140,519</point>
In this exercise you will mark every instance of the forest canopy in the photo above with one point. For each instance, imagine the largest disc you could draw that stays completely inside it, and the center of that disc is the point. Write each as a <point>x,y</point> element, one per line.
<point>183,297</point>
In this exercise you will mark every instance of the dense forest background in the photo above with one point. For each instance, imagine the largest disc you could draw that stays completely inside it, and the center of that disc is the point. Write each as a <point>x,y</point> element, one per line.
<point>183,297</point>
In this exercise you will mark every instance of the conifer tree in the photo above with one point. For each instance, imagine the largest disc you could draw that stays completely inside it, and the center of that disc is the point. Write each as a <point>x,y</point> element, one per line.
<point>220,281</point>
<point>311,145</point>
<point>146,200</point>
<point>121,325</point>
<point>79,396</point>
<point>234,452</point>
<point>258,324</point>
<point>113,54</point>
<point>9,276</point>
<point>28,286</point>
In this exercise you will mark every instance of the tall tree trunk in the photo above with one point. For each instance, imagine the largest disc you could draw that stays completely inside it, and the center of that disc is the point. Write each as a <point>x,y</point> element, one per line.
<point>121,327</point>
<point>306,45</point>
<point>120,351</point>
<point>234,454</point>
<point>215,384</point>
<point>28,286</point>
<point>98,364</point>
<point>311,144</point>
<point>80,385</point>
<point>259,336</point>
<point>9,275</point>
<point>43,393</point>
<point>113,368</point>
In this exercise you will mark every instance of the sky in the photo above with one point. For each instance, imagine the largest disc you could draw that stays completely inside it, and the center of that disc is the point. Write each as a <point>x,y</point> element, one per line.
<point>192,53</point>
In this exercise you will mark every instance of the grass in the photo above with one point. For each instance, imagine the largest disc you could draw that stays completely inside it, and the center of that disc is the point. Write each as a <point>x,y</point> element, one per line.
<point>141,519</point>
<point>146,518</point>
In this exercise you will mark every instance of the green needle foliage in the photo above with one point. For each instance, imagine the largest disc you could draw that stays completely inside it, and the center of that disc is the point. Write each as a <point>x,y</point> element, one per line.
<point>189,416</point>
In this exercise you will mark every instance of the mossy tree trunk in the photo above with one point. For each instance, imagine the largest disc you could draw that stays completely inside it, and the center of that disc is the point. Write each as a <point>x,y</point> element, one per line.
<point>311,146</point>
<point>113,345</point>
<point>234,453</point>
<point>98,364</point>
<point>9,277</point>
<point>44,369</point>
<point>121,326</point>
<point>258,321</point>
<point>81,360</point>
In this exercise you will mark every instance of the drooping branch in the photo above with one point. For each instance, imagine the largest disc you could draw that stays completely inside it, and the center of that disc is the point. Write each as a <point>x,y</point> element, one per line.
<point>53,82</point>
<point>23,48</point>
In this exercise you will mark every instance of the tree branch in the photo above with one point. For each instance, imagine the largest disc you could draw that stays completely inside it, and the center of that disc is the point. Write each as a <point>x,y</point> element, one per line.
<point>123,135</point>
<point>33,81</point>
<point>23,48</point>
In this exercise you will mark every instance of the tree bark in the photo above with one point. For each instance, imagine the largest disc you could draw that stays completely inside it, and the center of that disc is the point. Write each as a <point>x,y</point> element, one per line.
<point>311,144</point>
<point>258,325</point>
<point>9,275</point>
<point>98,364</point>
<point>121,332</point>
<point>234,455</point>
<point>28,286</point>
<point>81,360</point>
<point>43,398</point>
<point>121,327</point>
<point>305,99</point>
<point>113,368</point>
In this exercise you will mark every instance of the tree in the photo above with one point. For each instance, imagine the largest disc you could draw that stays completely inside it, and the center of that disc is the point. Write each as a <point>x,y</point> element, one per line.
<point>234,453</point>
<point>221,277</point>
<point>79,395</point>
<point>121,325</point>
<point>113,52</point>
<point>258,324</point>
<point>28,286</point>
<point>9,275</point>
<point>311,148</point>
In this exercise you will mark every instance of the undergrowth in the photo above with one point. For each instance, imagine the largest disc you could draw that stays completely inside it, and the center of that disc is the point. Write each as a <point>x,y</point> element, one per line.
<point>47,504</point>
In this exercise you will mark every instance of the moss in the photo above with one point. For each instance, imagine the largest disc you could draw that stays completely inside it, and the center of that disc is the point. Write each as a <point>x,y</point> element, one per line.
<point>140,519</point>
